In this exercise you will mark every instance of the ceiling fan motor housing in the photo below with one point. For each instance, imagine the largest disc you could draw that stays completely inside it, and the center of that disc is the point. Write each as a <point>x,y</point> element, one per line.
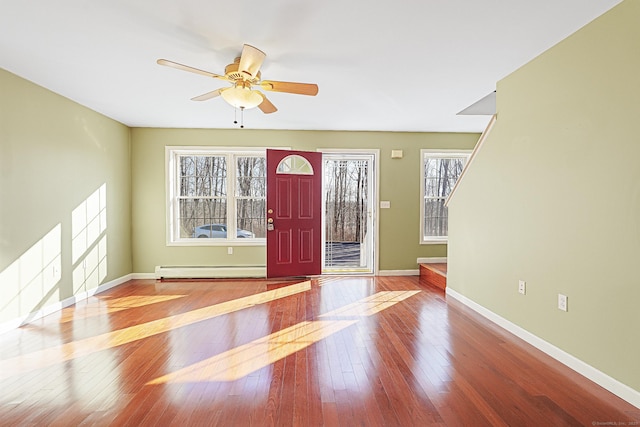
<point>232,72</point>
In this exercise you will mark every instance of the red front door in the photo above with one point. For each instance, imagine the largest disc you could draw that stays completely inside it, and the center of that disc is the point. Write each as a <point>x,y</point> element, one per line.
<point>294,213</point>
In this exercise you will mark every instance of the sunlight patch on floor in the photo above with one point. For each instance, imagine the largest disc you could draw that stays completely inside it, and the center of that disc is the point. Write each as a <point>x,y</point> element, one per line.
<point>245,359</point>
<point>108,305</point>
<point>75,349</point>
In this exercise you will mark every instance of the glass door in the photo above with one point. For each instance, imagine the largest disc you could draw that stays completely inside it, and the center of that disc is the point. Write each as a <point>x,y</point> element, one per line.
<point>348,200</point>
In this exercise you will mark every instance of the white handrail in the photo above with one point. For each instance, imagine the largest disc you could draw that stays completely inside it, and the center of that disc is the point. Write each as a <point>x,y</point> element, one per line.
<point>472,156</point>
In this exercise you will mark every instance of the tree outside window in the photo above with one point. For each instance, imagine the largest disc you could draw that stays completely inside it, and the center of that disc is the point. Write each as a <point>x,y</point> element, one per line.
<point>440,172</point>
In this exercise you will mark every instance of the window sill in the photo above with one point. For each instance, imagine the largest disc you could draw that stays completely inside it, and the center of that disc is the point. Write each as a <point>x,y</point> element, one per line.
<point>218,242</point>
<point>434,242</point>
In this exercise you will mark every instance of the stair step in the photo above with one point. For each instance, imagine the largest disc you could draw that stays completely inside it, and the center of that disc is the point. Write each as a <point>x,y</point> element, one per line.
<point>434,275</point>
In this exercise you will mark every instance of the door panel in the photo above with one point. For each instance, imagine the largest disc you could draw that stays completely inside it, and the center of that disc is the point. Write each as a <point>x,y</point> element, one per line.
<point>349,211</point>
<point>284,246</point>
<point>283,198</point>
<point>305,198</point>
<point>294,209</point>
<point>306,246</point>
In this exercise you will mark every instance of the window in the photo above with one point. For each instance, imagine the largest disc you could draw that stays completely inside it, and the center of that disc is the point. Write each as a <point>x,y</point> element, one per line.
<point>440,172</point>
<point>294,164</point>
<point>216,196</point>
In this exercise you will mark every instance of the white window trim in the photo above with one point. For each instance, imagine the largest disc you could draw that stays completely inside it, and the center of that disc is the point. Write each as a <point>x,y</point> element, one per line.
<point>447,153</point>
<point>171,166</point>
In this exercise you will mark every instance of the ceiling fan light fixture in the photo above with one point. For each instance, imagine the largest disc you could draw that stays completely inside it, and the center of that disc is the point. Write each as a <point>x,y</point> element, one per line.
<point>242,97</point>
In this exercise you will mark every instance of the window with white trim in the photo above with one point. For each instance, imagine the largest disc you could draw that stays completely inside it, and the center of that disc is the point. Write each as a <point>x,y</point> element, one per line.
<point>216,196</point>
<point>440,172</point>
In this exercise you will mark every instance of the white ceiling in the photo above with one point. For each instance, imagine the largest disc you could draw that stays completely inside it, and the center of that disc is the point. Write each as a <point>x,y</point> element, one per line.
<point>408,65</point>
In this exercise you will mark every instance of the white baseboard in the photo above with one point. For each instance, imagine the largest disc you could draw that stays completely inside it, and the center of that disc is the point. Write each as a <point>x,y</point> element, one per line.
<point>614,386</point>
<point>52,308</point>
<point>142,276</point>
<point>398,272</point>
<point>432,260</point>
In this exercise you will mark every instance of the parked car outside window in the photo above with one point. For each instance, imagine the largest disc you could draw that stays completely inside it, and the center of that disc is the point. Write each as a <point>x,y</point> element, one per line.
<point>219,231</point>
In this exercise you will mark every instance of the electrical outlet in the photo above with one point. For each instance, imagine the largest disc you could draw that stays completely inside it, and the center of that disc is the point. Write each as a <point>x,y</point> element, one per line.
<point>522,287</point>
<point>230,250</point>
<point>562,302</point>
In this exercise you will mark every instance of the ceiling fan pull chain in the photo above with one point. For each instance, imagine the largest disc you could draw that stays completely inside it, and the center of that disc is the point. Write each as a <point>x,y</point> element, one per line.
<point>241,117</point>
<point>235,116</point>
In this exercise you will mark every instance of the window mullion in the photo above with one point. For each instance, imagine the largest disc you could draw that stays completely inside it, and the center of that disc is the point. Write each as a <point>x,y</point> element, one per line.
<point>175,204</point>
<point>231,197</point>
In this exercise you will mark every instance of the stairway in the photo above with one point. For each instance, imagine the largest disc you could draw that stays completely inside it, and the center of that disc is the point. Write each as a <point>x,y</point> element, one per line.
<point>434,275</point>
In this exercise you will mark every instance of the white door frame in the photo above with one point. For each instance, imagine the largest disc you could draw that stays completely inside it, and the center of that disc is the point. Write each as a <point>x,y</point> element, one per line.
<point>375,196</point>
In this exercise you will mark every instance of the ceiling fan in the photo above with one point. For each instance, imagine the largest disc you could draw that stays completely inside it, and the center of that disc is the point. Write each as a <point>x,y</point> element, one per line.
<point>244,73</point>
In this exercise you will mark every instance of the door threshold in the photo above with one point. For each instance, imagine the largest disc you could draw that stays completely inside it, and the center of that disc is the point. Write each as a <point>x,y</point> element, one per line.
<point>348,272</point>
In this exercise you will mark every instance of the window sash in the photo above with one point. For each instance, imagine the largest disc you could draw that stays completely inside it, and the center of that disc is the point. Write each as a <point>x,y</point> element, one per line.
<point>438,179</point>
<point>235,200</point>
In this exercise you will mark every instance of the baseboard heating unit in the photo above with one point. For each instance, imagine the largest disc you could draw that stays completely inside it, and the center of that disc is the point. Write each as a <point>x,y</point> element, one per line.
<point>209,272</point>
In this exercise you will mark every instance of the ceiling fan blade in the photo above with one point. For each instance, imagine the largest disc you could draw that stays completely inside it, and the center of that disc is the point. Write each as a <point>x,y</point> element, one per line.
<point>188,68</point>
<point>251,60</point>
<point>310,89</point>
<point>209,95</point>
<point>266,106</point>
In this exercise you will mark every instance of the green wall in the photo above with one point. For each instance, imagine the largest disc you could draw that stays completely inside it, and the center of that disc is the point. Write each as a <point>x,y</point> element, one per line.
<point>54,155</point>
<point>553,198</point>
<point>83,197</point>
<point>400,184</point>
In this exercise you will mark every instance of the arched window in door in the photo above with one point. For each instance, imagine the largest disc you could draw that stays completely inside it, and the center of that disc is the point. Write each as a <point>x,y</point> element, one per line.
<point>294,165</point>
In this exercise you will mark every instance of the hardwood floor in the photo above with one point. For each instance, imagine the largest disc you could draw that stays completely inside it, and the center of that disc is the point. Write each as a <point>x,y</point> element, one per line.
<point>333,351</point>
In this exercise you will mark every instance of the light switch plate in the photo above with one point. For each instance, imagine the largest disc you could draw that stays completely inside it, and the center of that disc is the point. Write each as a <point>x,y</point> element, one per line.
<point>396,154</point>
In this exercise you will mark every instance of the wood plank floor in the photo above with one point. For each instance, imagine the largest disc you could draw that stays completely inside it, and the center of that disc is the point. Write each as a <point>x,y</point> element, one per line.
<point>333,351</point>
